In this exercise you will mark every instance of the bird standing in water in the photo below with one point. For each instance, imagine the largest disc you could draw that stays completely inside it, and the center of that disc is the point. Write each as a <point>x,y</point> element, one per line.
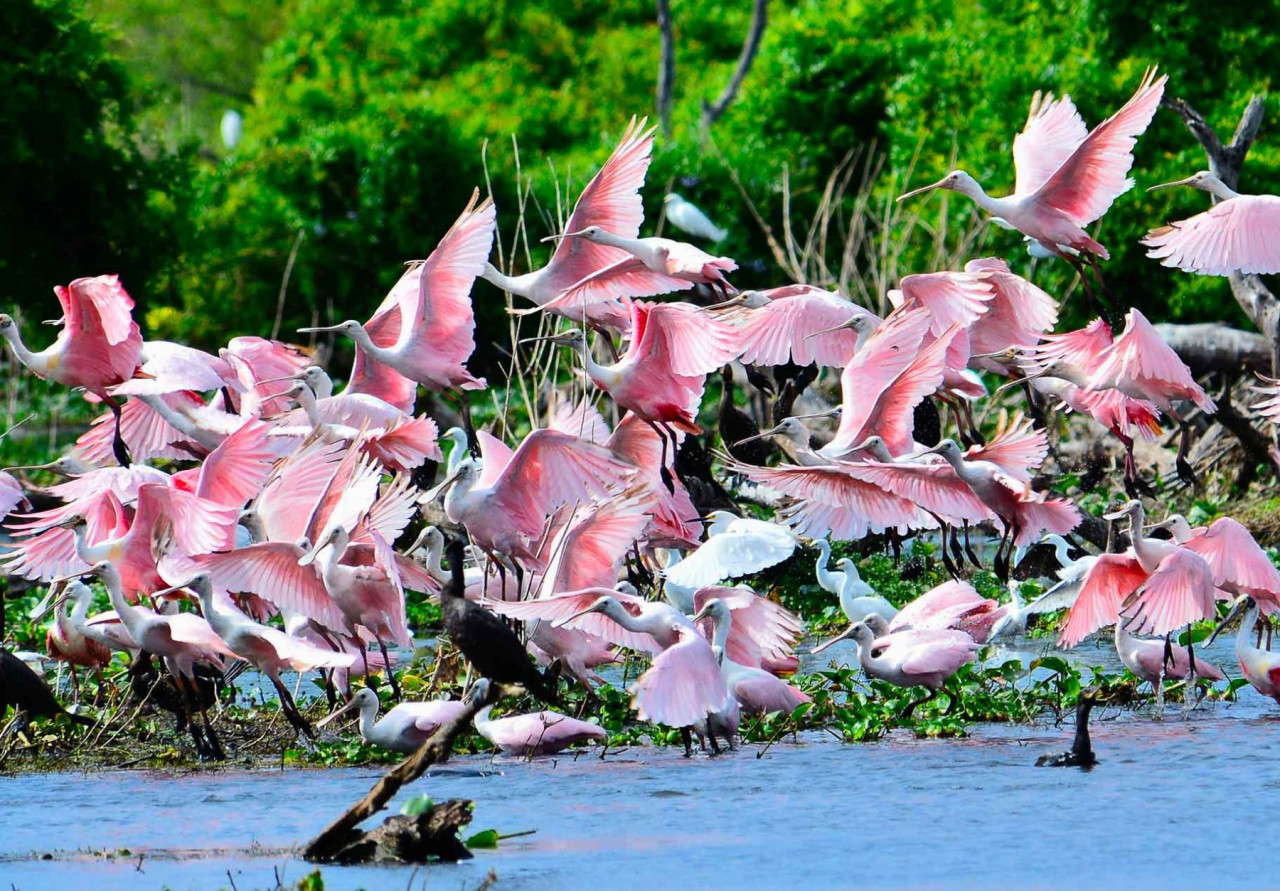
<point>1081,752</point>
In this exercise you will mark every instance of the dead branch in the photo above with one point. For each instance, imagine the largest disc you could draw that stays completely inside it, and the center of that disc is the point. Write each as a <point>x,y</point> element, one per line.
<point>1211,347</point>
<point>712,111</point>
<point>343,833</point>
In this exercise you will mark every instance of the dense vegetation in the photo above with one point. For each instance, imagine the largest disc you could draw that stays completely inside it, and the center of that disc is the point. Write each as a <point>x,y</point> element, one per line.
<point>368,122</point>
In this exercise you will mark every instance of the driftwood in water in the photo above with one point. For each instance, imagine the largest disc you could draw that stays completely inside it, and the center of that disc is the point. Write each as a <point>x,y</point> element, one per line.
<point>343,841</point>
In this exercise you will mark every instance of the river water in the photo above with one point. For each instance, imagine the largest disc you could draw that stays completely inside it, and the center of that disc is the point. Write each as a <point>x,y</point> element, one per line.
<point>1174,803</point>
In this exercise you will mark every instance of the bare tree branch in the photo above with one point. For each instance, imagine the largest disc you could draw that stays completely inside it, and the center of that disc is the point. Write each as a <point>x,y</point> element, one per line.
<point>711,112</point>
<point>666,67</point>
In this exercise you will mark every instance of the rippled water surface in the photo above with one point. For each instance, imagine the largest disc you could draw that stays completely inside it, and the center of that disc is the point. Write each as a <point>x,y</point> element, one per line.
<point>1167,807</point>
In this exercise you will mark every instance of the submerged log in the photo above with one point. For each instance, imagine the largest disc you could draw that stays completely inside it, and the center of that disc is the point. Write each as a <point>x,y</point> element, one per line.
<point>344,839</point>
<point>432,834</point>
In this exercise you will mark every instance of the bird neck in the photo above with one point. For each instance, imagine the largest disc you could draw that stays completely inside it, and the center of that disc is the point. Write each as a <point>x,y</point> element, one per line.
<point>721,624</point>
<point>1220,190</point>
<point>1243,643</point>
<point>825,576</point>
<point>130,615</point>
<point>618,613</point>
<point>174,418</point>
<point>310,408</point>
<point>606,375</point>
<point>1061,550</point>
<point>630,245</point>
<point>512,285</point>
<point>970,188</point>
<point>31,360</point>
<point>362,340</point>
<point>368,718</point>
<point>482,721</point>
<point>324,386</point>
<point>80,612</point>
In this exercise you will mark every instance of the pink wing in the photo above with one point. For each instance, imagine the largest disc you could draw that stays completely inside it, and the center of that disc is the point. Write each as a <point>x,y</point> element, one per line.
<point>495,455</point>
<point>1015,449</point>
<point>674,516</point>
<point>952,298</point>
<point>582,420</point>
<point>919,612</point>
<point>393,510</point>
<point>236,470</point>
<point>267,360</point>
<point>1082,349</point>
<point>435,297</point>
<point>682,686</point>
<point>842,499</point>
<point>787,328</point>
<point>198,525</point>
<point>1097,172</point>
<point>691,341</point>
<point>111,303</point>
<point>406,445</point>
<point>766,694</point>
<point>1018,316</point>
<point>1038,515</point>
<point>1140,355</point>
<point>550,469</point>
<point>761,631</point>
<point>270,570</point>
<point>373,378</point>
<point>188,628</point>
<point>933,487</point>
<point>291,494</point>
<point>1239,565</point>
<point>611,201</point>
<point>1179,592</point>
<point>169,367</point>
<point>628,277</point>
<point>1116,411</point>
<point>589,553</point>
<point>147,434</point>
<point>885,355</point>
<point>892,416</point>
<point>1236,235</point>
<point>561,606</point>
<point>100,341</point>
<point>939,655</point>
<point>1109,581</point>
<point>11,494</point>
<point>1054,130</point>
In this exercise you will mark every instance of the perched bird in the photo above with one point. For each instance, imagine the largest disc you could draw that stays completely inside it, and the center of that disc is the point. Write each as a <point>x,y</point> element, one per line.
<point>538,733</point>
<point>1237,234</point>
<point>405,728</point>
<point>689,218</point>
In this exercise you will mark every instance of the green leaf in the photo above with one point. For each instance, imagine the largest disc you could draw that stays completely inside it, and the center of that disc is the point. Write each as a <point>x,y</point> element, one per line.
<point>418,804</point>
<point>485,840</point>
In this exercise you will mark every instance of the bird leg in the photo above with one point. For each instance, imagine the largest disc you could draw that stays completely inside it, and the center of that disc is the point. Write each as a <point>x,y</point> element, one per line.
<point>687,736</point>
<point>953,703</point>
<point>188,719</point>
<point>968,548</point>
<point>1185,471</point>
<point>75,684</point>
<point>663,471</point>
<point>711,737</point>
<point>118,446</point>
<point>906,714</point>
<point>212,737</point>
<point>1188,702</point>
<point>290,708</point>
<point>966,411</point>
<point>1134,485</point>
<point>386,667</point>
<point>946,558</point>
<point>1003,554</point>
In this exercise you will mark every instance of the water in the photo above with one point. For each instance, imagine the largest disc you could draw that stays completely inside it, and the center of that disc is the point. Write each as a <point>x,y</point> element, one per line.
<point>1168,806</point>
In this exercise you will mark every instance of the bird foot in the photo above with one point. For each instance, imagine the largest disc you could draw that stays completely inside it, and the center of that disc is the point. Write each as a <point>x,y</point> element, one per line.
<point>667,480</point>
<point>1136,487</point>
<point>1186,473</point>
<point>121,451</point>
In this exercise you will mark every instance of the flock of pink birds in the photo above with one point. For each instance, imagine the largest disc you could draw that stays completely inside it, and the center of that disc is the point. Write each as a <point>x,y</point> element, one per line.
<point>280,505</point>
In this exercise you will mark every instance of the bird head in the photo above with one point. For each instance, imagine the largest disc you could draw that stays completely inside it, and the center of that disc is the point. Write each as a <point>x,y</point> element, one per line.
<point>574,338</point>
<point>479,691</point>
<point>349,328</point>
<point>1243,602</point>
<point>7,324</point>
<point>948,449</point>
<point>603,605</point>
<point>672,198</point>
<point>713,609</point>
<point>1128,509</point>
<point>1202,179</point>
<point>955,181</point>
<point>364,698</point>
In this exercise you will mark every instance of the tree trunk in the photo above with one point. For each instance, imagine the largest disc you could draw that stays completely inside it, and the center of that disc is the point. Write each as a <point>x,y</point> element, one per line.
<point>666,66</point>
<point>711,112</point>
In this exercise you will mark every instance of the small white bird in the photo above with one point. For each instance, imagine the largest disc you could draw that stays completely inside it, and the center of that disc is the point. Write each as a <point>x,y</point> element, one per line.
<point>735,546</point>
<point>688,218</point>
<point>232,128</point>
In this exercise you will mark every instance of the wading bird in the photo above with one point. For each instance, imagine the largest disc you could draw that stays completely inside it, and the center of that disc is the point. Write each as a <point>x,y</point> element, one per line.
<point>405,728</point>
<point>1261,668</point>
<point>537,733</point>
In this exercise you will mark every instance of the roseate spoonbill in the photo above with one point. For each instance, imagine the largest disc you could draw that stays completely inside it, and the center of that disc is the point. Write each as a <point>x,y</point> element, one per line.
<point>689,218</point>
<point>1237,234</point>
<point>1024,514</point>
<point>1018,314</point>
<point>857,598</point>
<point>97,348</point>
<point>611,201</point>
<point>104,628</point>
<point>1156,584</point>
<point>757,691</point>
<point>655,266</point>
<point>504,505</point>
<point>180,640</point>
<point>1066,178</point>
<point>26,691</point>
<point>951,606</point>
<point>65,641</point>
<point>735,546</point>
<point>424,329</point>
<point>1239,564</point>
<point>794,323</point>
<point>1261,668</point>
<point>11,494</point>
<point>1081,752</point>
<point>911,658</point>
<point>489,645</point>
<point>269,650</point>
<point>538,733</point>
<point>660,377</point>
<point>1155,660</point>
<point>405,728</point>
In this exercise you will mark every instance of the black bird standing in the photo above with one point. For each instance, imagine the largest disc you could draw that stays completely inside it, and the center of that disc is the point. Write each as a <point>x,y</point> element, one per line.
<point>26,691</point>
<point>1081,754</point>
<point>736,425</point>
<point>489,645</point>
